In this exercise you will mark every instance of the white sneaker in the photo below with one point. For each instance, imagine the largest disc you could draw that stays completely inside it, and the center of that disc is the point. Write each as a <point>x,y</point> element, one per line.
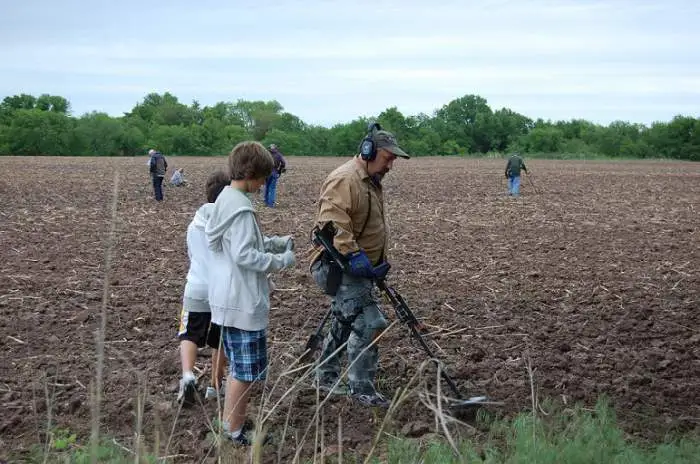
<point>211,393</point>
<point>188,389</point>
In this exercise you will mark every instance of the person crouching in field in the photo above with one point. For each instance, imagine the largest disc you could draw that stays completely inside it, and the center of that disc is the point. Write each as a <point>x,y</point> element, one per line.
<point>196,328</point>
<point>239,291</point>
<point>178,178</point>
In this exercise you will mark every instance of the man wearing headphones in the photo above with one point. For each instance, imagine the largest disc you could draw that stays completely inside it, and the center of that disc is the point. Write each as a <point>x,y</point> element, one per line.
<point>352,199</point>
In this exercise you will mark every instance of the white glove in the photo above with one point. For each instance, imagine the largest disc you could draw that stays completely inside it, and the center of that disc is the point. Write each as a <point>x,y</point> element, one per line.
<point>288,259</point>
<point>280,244</point>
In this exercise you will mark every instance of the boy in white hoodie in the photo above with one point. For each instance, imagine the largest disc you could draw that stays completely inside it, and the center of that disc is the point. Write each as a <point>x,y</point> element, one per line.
<point>239,290</point>
<point>196,328</point>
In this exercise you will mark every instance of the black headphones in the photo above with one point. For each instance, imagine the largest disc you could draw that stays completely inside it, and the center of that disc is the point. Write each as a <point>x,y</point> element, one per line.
<point>368,151</point>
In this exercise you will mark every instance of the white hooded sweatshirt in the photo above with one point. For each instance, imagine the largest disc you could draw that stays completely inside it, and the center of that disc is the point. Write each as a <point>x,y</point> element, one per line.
<point>239,292</point>
<point>196,297</point>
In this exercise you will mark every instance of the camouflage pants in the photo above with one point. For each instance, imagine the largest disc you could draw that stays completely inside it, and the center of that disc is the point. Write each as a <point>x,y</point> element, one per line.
<point>357,319</point>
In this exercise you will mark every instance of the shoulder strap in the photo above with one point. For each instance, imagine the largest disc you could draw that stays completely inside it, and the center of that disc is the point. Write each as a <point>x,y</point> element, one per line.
<point>369,211</point>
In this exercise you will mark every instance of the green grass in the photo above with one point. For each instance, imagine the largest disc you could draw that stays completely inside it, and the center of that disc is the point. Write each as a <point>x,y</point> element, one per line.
<point>63,447</point>
<point>575,436</point>
<point>571,436</point>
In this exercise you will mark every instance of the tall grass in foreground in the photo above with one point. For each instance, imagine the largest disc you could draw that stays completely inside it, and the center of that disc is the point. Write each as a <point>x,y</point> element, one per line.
<point>569,436</point>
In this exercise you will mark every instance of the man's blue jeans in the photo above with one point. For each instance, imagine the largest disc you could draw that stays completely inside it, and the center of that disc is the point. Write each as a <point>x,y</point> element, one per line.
<point>158,187</point>
<point>514,185</point>
<point>271,189</point>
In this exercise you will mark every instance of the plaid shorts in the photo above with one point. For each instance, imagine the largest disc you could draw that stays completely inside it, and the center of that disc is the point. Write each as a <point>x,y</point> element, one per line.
<point>247,353</point>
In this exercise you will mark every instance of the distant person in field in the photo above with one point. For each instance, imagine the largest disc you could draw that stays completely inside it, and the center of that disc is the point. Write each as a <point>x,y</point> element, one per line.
<point>158,165</point>
<point>239,290</point>
<point>513,168</point>
<point>352,198</point>
<point>196,329</point>
<point>271,182</point>
<point>178,178</point>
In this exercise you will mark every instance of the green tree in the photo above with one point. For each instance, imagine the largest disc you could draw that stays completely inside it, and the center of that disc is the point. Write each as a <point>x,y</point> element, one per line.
<point>258,116</point>
<point>316,141</point>
<point>392,120</point>
<point>683,138</point>
<point>287,122</point>
<point>344,139</point>
<point>506,127</point>
<point>543,140</point>
<point>19,102</point>
<point>214,137</point>
<point>131,141</point>
<point>451,147</point>
<point>36,132</point>
<point>99,134</point>
<point>54,103</point>
<point>163,110</point>
<point>224,112</point>
<point>173,140</point>
<point>289,143</point>
<point>16,102</point>
<point>611,139</point>
<point>458,121</point>
<point>43,125</point>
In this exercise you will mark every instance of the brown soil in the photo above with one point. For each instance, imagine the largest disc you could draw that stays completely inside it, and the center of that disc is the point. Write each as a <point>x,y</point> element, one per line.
<point>594,280</point>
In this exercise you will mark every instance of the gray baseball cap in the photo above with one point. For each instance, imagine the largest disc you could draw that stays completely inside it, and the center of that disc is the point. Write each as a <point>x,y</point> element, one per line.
<point>387,140</point>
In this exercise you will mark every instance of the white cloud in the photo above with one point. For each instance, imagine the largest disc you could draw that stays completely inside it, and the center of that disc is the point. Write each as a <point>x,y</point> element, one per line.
<point>539,55</point>
<point>458,45</point>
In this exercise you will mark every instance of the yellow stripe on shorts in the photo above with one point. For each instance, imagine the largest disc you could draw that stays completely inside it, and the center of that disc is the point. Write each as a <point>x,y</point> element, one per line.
<point>184,315</point>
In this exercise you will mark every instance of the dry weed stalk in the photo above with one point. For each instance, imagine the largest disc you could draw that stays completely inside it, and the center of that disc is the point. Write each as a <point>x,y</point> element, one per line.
<point>434,402</point>
<point>100,335</point>
<point>531,376</point>
<point>320,405</point>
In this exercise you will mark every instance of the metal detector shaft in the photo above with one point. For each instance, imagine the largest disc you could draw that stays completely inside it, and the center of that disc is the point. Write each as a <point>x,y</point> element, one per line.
<point>401,307</point>
<point>316,339</point>
<point>532,184</point>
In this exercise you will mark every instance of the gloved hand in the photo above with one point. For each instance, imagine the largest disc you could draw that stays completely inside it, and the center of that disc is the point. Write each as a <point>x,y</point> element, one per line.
<point>359,264</point>
<point>382,269</point>
<point>279,244</point>
<point>271,283</point>
<point>288,259</point>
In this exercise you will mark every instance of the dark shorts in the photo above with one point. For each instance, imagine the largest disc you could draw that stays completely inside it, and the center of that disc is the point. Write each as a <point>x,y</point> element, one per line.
<point>246,352</point>
<point>197,328</point>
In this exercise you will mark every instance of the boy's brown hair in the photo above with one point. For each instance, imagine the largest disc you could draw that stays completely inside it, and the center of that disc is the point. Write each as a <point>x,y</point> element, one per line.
<point>215,184</point>
<point>250,160</point>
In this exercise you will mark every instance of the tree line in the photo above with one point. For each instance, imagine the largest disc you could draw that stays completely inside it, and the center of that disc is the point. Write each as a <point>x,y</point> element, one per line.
<point>44,125</point>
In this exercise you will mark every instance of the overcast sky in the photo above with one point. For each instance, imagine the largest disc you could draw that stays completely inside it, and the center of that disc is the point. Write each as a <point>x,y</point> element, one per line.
<point>332,61</point>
